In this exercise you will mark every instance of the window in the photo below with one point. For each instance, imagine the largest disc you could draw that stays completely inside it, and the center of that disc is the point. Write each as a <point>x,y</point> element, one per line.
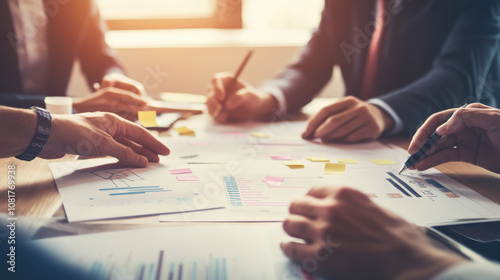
<point>164,14</point>
<point>297,14</point>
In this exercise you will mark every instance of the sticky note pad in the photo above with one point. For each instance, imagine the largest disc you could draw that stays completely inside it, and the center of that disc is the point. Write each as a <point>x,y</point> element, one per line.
<point>180,171</point>
<point>318,159</point>
<point>273,181</point>
<point>346,160</point>
<point>294,164</point>
<point>260,134</point>
<point>334,168</point>
<point>147,118</point>
<point>187,178</point>
<point>281,157</point>
<point>184,131</point>
<point>383,162</point>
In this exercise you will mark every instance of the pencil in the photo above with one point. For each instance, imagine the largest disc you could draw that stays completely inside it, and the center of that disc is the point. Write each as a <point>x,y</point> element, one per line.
<point>233,81</point>
<point>431,141</point>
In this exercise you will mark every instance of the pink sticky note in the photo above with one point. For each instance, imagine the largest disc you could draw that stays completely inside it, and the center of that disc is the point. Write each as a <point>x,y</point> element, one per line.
<point>180,171</point>
<point>281,157</point>
<point>187,178</point>
<point>273,181</point>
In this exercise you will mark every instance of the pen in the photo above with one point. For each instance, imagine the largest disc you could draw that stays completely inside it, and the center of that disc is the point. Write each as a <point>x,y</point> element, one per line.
<point>431,141</point>
<point>233,81</point>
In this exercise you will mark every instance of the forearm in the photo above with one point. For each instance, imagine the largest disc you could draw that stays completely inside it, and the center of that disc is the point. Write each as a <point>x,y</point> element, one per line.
<point>21,101</point>
<point>302,80</point>
<point>96,58</point>
<point>19,128</point>
<point>440,89</point>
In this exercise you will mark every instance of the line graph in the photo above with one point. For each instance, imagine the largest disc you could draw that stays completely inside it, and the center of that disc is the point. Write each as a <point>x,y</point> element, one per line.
<point>119,177</point>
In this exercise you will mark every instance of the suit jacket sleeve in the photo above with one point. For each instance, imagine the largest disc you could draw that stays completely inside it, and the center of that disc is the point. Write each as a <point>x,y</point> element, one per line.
<point>458,72</point>
<point>21,101</point>
<point>96,58</point>
<point>301,81</point>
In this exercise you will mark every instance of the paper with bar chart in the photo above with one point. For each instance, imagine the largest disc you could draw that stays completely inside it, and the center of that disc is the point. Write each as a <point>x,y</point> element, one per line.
<point>100,188</point>
<point>266,186</point>
<point>173,253</point>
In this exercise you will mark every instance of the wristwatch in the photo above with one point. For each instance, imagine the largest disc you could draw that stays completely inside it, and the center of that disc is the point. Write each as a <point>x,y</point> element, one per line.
<point>41,135</point>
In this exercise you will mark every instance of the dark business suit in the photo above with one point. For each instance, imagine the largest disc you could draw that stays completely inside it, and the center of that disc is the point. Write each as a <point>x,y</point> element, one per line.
<point>435,54</point>
<point>75,31</point>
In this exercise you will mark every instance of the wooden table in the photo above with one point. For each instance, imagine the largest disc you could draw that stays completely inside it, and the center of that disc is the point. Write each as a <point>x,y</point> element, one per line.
<point>37,195</point>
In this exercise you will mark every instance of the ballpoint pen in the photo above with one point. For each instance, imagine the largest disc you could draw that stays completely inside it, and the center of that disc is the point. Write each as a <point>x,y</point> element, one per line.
<point>233,81</point>
<point>431,141</point>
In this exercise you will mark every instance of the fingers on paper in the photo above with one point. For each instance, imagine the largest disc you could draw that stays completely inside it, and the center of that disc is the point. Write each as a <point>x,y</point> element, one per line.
<point>324,114</point>
<point>141,136</point>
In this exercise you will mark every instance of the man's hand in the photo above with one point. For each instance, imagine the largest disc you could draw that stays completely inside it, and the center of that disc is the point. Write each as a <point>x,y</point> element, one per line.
<point>348,236</point>
<point>102,134</point>
<point>121,81</point>
<point>114,100</point>
<point>245,102</point>
<point>471,135</point>
<point>349,120</point>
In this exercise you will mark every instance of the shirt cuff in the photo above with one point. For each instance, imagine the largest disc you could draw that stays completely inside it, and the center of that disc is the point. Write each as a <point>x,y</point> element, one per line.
<point>279,95</point>
<point>472,271</point>
<point>398,123</point>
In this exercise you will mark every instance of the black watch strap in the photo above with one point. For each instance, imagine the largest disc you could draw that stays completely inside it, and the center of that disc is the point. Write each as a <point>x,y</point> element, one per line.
<point>41,135</point>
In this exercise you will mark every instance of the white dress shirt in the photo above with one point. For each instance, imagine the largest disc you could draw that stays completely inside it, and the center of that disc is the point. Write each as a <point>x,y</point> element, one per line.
<point>30,25</point>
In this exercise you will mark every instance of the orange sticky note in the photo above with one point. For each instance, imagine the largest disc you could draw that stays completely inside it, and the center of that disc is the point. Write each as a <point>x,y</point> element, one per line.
<point>147,118</point>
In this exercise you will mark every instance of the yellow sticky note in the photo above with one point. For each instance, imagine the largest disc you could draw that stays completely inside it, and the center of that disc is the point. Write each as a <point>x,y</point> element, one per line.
<point>294,164</point>
<point>318,159</point>
<point>383,162</point>
<point>334,168</point>
<point>147,118</point>
<point>346,160</point>
<point>184,131</point>
<point>260,134</point>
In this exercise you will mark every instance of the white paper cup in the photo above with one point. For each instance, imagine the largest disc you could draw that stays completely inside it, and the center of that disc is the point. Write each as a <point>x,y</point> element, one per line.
<point>59,104</point>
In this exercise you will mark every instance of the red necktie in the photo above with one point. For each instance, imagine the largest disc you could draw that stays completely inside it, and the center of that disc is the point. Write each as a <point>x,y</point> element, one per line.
<point>373,55</point>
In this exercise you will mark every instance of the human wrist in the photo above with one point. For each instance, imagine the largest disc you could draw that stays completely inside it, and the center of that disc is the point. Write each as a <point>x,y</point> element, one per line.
<point>41,135</point>
<point>269,107</point>
<point>21,128</point>
<point>388,121</point>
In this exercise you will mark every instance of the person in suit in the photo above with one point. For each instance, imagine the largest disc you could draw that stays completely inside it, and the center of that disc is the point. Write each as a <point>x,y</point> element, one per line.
<point>40,40</point>
<point>348,236</point>
<point>401,61</point>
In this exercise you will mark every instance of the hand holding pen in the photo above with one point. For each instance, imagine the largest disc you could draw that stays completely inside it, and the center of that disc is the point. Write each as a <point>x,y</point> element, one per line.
<point>470,134</point>
<point>230,99</point>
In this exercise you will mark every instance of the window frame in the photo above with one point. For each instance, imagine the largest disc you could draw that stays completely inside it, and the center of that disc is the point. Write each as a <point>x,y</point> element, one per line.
<point>228,15</point>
